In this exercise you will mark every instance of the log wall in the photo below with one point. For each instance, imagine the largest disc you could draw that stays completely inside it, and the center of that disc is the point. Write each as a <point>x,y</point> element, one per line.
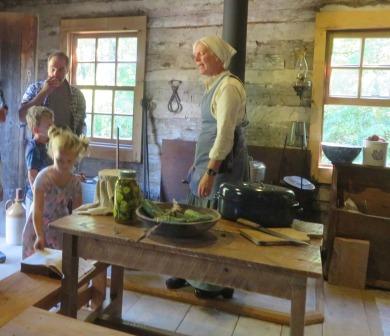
<point>277,30</point>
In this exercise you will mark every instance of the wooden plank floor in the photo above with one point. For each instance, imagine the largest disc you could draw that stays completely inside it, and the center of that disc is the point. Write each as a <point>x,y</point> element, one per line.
<point>348,312</point>
<point>12,263</point>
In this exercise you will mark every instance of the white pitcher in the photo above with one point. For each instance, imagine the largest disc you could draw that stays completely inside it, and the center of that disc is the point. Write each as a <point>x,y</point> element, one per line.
<point>375,153</point>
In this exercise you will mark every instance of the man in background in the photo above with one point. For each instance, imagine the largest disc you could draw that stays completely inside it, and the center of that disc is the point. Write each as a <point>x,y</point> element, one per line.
<point>3,116</point>
<point>66,101</point>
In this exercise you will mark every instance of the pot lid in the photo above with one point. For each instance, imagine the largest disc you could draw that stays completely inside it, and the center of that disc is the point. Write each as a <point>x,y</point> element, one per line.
<point>254,191</point>
<point>299,182</point>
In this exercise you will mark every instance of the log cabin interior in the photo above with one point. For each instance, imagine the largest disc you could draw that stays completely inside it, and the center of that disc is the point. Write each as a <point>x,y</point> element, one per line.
<point>304,242</point>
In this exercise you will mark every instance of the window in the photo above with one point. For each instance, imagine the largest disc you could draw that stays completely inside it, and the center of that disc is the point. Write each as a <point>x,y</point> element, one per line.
<point>357,99</point>
<point>351,82</point>
<point>107,65</point>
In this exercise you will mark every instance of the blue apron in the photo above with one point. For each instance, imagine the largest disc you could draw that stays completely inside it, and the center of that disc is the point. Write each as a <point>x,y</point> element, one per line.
<point>234,168</point>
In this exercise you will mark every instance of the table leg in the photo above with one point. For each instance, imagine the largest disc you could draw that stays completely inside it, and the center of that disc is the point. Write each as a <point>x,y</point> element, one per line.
<point>116,291</point>
<point>70,266</point>
<point>298,303</point>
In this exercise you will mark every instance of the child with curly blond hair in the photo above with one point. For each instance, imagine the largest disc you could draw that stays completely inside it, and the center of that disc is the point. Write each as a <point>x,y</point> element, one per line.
<point>54,188</point>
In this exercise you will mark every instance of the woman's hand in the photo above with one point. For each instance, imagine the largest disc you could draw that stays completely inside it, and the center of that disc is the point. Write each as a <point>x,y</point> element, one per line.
<point>39,243</point>
<point>205,185</point>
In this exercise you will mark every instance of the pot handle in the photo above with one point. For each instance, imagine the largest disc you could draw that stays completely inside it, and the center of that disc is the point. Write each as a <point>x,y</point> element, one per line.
<point>298,209</point>
<point>295,205</point>
<point>8,204</point>
<point>214,201</point>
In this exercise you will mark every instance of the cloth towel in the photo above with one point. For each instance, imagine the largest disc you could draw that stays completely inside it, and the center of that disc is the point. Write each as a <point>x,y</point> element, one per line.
<point>104,195</point>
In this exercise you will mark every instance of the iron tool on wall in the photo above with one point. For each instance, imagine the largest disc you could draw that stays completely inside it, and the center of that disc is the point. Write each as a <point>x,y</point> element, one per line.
<point>174,104</point>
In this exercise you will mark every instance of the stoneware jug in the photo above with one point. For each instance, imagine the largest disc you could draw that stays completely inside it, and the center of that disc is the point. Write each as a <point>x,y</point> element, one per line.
<point>15,218</point>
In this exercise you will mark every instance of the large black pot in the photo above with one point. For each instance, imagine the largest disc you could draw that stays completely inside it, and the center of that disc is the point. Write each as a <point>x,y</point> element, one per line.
<point>266,204</point>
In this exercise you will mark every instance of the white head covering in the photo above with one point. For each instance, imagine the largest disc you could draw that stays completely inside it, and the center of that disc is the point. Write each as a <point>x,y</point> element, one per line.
<point>223,50</point>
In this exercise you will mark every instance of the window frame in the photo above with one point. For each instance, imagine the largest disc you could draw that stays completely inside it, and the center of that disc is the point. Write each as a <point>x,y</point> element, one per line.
<point>130,151</point>
<point>359,101</point>
<point>327,23</point>
<point>73,69</point>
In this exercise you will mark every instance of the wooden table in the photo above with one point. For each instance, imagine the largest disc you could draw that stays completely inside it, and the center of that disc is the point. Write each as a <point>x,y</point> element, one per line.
<point>221,257</point>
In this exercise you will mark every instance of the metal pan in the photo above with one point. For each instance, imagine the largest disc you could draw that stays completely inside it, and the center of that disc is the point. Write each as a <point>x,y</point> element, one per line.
<point>181,229</point>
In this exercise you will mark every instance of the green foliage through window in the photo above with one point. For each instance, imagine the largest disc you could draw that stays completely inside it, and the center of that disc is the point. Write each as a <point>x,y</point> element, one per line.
<point>357,104</point>
<point>349,124</point>
<point>106,74</point>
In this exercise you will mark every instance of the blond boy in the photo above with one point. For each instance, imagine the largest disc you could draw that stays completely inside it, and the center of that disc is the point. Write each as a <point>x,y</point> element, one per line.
<point>39,119</point>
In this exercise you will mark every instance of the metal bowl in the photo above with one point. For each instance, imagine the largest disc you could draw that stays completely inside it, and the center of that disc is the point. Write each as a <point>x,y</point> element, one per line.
<point>181,229</point>
<point>340,153</point>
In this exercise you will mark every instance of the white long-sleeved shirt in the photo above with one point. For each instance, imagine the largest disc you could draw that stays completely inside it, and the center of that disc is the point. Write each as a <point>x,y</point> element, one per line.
<point>228,108</point>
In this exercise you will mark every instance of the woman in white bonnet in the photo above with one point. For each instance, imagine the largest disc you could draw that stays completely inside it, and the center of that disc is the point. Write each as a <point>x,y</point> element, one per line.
<point>221,154</point>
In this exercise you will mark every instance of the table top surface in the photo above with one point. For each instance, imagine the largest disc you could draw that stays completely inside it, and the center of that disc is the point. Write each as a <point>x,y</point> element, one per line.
<point>38,322</point>
<point>13,289</point>
<point>223,243</point>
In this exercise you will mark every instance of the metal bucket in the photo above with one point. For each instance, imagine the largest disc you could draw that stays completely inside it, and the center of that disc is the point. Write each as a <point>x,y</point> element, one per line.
<point>88,189</point>
<point>256,171</point>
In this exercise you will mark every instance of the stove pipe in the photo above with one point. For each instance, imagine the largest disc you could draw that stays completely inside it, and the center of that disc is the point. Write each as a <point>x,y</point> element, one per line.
<point>235,19</point>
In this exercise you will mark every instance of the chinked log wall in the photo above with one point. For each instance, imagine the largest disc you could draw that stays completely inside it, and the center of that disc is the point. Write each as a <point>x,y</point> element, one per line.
<point>277,29</point>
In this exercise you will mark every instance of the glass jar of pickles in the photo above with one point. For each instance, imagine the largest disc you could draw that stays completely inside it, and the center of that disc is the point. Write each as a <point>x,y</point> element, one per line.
<point>127,197</point>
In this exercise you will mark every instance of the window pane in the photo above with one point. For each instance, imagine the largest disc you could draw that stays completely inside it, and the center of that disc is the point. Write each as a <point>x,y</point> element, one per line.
<point>88,99</point>
<point>106,49</point>
<point>102,126</point>
<point>127,49</point>
<point>105,70</point>
<point>103,101</point>
<point>124,102</point>
<point>105,74</point>
<point>376,51</point>
<point>125,125</point>
<point>126,74</point>
<point>346,51</point>
<point>88,123</point>
<point>344,83</point>
<point>85,74</point>
<point>85,50</point>
<point>376,84</point>
<point>346,124</point>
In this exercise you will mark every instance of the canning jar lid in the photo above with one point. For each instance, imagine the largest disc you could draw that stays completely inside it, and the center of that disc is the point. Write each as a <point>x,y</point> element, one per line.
<point>127,174</point>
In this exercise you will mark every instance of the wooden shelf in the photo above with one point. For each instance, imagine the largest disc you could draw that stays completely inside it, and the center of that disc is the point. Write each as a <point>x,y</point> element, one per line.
<point>369,188</point>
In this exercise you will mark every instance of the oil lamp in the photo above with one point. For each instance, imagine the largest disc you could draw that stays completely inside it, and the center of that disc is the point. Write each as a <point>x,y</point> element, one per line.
<point>302,83</point>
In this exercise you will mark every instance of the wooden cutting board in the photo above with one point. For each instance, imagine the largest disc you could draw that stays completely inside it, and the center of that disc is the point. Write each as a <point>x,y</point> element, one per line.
<point>261,238</point>
<point>313,230</point>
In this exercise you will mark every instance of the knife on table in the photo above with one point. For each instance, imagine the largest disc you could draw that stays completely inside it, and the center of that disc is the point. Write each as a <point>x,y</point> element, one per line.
<point>258,227</point>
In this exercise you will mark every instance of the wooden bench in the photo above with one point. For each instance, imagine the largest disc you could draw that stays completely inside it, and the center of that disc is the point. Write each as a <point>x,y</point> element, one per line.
<point>20,291</point>
<point>38,322</point>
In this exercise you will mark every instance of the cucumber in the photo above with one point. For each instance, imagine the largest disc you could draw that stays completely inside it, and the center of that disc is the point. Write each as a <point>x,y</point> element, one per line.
<point>195,216</point>
<point>151,209</point>
<point>171,219</point>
